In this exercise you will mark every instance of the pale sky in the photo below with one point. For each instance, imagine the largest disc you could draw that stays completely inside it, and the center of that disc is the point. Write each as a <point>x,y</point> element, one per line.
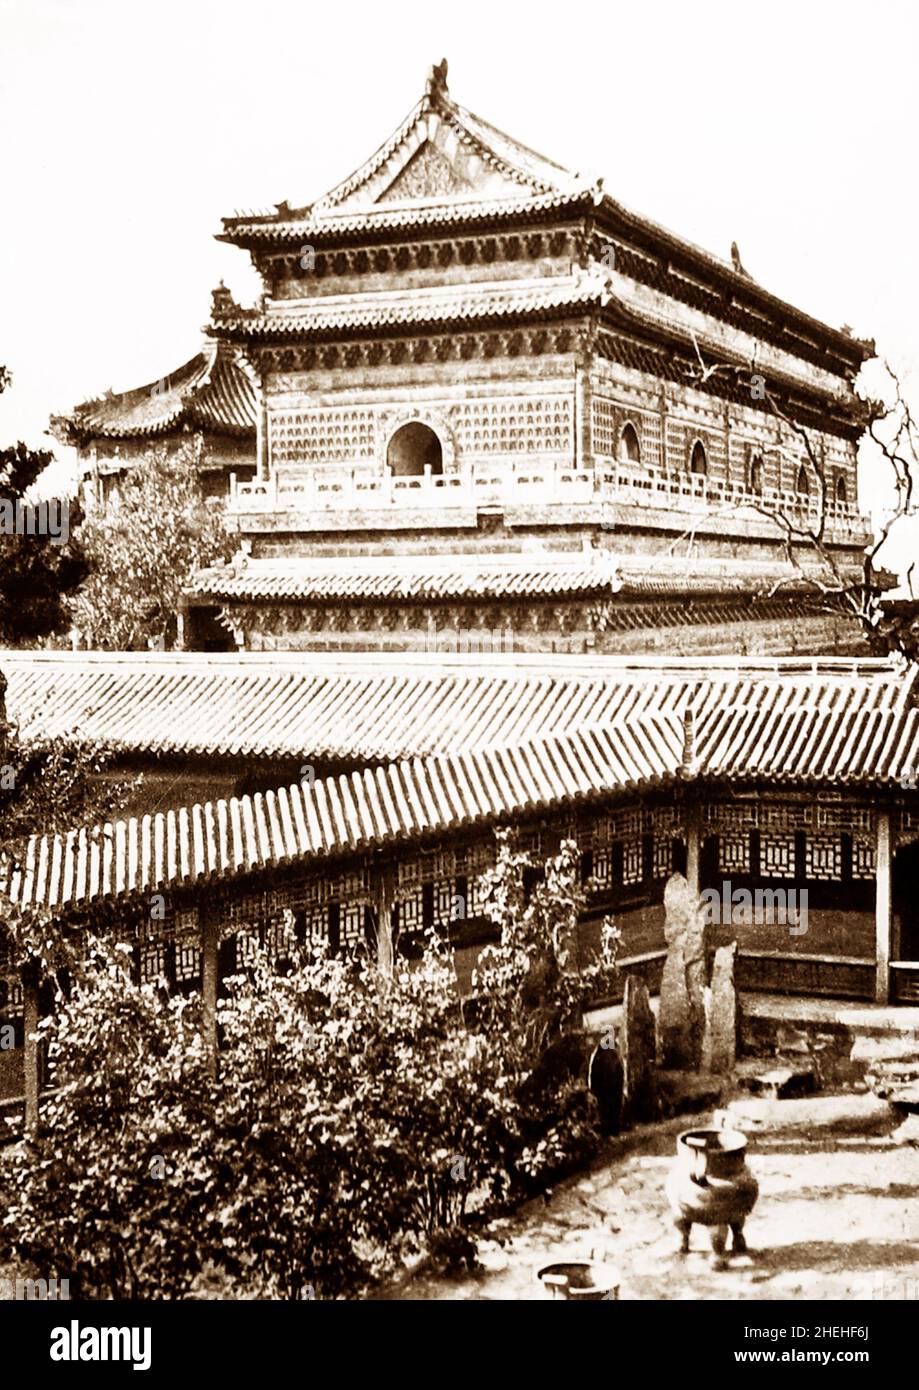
<point>130,129</point>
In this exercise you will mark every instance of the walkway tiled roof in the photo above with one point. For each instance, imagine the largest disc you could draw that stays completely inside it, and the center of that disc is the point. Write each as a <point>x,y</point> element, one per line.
<point>426,578</point>
<point>211,392</point>
<point>851,743</point>
<point>341,814</point>
<point>378,706</point>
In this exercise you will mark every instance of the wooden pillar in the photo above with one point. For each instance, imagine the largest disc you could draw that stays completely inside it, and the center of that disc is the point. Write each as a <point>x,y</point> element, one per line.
<point>693,846</point>
<point>31,1056</point>
<point>210,950</point>
<point>883,911</point>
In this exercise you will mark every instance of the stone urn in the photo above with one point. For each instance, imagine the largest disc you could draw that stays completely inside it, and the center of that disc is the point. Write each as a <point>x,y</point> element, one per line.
<point>585,1281</point>
<point>710,1185</point>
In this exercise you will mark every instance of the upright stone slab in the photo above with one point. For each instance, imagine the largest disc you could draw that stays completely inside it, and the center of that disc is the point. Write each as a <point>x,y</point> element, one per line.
<point>682,1002</point>
<point>719,1047</point>
<point>639,1052</point>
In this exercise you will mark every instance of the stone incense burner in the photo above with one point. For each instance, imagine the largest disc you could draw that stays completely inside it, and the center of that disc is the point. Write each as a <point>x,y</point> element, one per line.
<point>710,1185</point>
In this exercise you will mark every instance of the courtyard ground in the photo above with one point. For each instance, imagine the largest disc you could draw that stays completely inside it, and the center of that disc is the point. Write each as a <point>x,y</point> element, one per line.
<point>837,1216</point>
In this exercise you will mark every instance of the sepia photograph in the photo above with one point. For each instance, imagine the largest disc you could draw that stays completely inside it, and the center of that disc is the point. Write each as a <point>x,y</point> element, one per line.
<point>459,672</point>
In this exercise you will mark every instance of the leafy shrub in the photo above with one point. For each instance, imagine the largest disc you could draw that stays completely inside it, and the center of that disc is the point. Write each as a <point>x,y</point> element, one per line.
<point>355,1117</point>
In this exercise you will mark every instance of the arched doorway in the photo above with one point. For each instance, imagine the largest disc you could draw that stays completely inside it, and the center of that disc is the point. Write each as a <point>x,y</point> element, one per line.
<point>697,460</point>
<point>413,448</point>
<point>629,447</point>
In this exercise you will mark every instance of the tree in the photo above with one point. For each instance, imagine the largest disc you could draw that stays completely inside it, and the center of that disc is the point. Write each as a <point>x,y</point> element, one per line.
<point>143,547</point>
<point>40,560</point>
<point>892,431</point>
<point>355,1115</point>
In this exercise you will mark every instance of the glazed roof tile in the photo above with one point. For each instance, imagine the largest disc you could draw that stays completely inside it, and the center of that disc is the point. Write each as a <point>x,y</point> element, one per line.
<point>790,731</point>
<point>425,578</point>
<point>379,707</point>
<point>436,305</point>
<point>358,205</point>
<point>211,392</point>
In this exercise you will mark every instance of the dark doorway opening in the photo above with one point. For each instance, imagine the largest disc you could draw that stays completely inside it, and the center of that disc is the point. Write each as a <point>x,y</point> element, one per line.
<point>413,448</point>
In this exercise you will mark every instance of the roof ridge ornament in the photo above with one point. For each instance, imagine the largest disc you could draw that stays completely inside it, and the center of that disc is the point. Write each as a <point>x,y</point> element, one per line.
<point>436,85</point>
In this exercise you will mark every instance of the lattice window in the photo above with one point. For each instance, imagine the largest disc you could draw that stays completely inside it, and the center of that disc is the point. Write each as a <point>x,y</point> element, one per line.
<point>604,428</point>
<point>351,887</point>
<point>11,996</point>
<point>247,909</point>
<point>187,946</point>
<point>351,924</point>
<point>731,815</point>
<point>651,440</point>
<point>603,868</point>
<point>528,425</point>
<point>410,871</point>
<point>188,959</point>
<point>477,888</point>
<point>633,860</point>
<point>475,858</point>
<point>321,436</point>
<point>316,922</point>
<point>777,856</point>
<point>152,962</point>
<point>411,910</point>
<point>734,852</point>
<point>662,856</point>
<point>665,821</point>
<point>619,825</point>
<point>788,815</point>
<point>864,859</point>
<point>823,857</point>
<point>248,941</point>
<point>907,824</point>
<point>313,892</point>
<point>839,818</point>
<point>444,901</point>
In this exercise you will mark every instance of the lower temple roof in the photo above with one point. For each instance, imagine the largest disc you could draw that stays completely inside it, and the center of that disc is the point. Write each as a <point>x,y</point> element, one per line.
<point>497,576</point>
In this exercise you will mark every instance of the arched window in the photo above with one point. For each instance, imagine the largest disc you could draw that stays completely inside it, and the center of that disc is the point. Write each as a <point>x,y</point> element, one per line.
<point>842,495</point>
<point>802,485</point>
<point>756,474</point>
<point>697,460</point>
<point>412,448</point>
<point>629,447</point>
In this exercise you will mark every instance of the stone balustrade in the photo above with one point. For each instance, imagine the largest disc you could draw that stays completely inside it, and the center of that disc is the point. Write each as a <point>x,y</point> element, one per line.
<point>366,488</point>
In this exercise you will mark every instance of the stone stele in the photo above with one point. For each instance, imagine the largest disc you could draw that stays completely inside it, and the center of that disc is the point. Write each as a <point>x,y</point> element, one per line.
<point>682,1006</point>
<point>719,1043</point>
<point>638,1046</point>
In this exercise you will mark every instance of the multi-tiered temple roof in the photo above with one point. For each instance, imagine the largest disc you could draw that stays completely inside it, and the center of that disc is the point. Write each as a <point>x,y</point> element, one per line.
<point>472,355</point>
<point>211,395</point>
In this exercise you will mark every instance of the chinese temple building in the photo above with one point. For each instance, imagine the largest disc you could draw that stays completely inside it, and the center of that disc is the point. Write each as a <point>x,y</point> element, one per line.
<point>513,471</point>
<point>211,397</point>
<point>492,400</point>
